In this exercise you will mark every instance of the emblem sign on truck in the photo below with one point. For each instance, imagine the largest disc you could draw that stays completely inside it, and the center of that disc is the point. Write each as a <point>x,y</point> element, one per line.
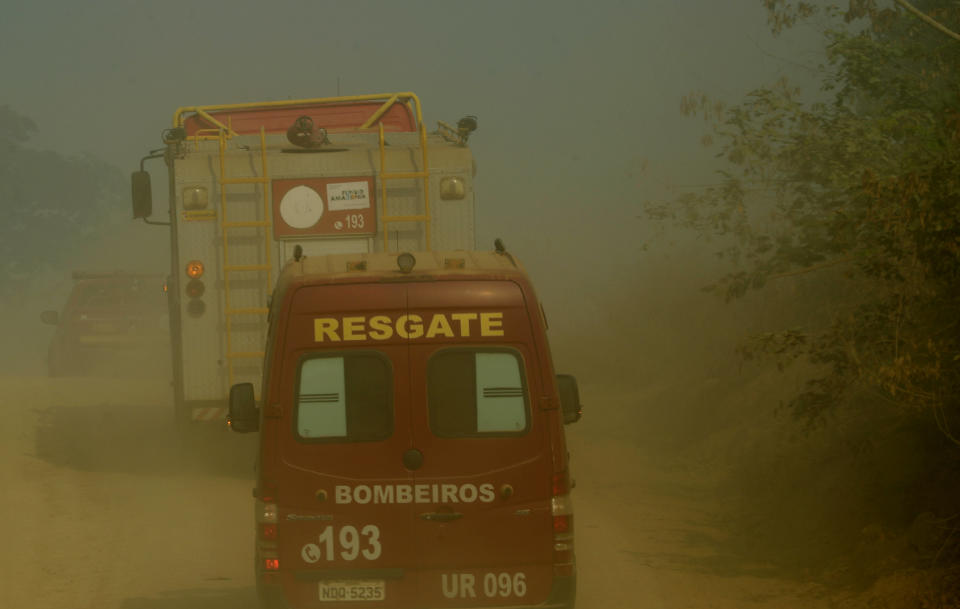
<point>314,207</point>
<point>301,207</point>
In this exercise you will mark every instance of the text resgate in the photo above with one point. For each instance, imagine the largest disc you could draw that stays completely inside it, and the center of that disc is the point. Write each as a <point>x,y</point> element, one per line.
<point>412,326</point>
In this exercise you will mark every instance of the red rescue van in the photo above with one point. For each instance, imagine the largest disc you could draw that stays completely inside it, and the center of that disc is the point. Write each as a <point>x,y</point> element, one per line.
<point>412,448</point>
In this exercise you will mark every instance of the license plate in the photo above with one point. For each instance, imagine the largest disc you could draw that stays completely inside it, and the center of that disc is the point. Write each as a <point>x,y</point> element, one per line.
<point>353,590</point>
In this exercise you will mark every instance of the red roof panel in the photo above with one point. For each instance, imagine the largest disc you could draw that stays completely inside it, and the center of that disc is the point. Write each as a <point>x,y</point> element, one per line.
<point>332,117</point>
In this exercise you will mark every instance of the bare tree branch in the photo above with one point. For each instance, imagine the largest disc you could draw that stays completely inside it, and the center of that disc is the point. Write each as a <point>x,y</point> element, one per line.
<point>930,21</point>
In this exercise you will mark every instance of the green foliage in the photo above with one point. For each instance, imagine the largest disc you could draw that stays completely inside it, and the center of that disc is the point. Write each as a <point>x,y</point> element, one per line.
<point>52,203</point>
<point>861,187</point>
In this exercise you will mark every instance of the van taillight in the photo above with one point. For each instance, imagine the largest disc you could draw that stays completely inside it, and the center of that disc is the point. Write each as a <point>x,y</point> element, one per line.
<point>561,483</point>
<point>268,532</point>
<point>271,564</point>
<point>266,511</point>
<point>561,508</point>
<point>564,570</point>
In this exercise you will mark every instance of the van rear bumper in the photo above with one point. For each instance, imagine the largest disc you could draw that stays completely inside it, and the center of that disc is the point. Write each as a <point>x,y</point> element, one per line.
<point>563,593</point>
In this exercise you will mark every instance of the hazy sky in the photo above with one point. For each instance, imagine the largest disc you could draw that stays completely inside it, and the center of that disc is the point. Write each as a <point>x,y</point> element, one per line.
<point>572,97</point>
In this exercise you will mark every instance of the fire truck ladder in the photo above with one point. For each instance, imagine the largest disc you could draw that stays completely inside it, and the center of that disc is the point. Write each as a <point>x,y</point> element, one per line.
<point>226,225</point>
<point>423,174</point>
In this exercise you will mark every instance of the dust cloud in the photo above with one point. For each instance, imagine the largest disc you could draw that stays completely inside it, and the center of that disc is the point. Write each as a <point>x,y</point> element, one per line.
<point>833,510</point>
<point>691,480</point>
<point>109,502</point>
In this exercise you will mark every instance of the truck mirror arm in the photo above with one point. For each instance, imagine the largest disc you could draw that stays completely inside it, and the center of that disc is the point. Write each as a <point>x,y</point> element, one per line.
<point>155,222</point>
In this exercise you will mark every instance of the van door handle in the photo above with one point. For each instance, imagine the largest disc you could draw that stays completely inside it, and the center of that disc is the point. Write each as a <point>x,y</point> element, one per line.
<point>441,516</point>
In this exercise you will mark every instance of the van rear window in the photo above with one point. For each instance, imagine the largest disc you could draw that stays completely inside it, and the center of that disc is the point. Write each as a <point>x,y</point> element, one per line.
<point>476,392</point>
<point>344,398</point>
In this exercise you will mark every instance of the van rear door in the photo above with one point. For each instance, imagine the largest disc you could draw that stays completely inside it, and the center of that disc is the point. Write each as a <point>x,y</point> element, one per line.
<point>487,536</point>
<point>345,500</point>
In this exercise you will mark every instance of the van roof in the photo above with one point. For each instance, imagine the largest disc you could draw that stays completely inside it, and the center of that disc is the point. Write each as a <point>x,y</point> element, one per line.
<point>383,266</point>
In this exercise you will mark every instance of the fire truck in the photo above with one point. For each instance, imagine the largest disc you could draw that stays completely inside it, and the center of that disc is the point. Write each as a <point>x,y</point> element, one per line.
<point>253,185</point>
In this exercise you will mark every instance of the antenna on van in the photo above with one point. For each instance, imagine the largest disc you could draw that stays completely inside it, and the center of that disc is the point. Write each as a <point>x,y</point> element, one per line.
<point>501,249</point>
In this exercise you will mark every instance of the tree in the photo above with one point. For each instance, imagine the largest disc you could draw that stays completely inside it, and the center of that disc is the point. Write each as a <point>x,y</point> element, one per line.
<point>52,203</point>
<point>863,193</point>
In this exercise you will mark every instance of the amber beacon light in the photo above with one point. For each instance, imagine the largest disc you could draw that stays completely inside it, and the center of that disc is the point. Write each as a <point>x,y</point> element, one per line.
<point>194,269</point>
<point>195,289</point>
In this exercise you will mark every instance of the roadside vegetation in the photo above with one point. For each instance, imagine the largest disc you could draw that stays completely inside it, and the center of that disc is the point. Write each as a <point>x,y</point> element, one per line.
<point>843,206</point>
<point>53,204</point>
<point>62,213</point>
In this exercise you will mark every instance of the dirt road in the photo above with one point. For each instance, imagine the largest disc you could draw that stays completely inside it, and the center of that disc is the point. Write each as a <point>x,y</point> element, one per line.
<point>104,507</point>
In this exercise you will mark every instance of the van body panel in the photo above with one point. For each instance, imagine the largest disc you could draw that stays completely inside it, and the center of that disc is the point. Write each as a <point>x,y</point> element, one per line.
<point>448,505</point>
<point>322,534</point>
<point>509,535</point>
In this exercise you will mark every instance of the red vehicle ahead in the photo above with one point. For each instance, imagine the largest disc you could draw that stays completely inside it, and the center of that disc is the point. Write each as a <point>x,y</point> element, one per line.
<point>112,323</point>
<point>412,448</point>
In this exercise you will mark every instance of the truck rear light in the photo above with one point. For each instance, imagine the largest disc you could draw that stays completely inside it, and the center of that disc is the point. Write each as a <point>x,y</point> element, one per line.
<point>195,288</point>
<point>562,557</point>
<point>266,512</point>
<point>195,197</point>
<point>561,483</point>
<point>196,308</point>
<point>269,559</point>
<point>562,520</point>
<point>194,269</point>
<point>452,188</point>
<point>268,531</point>
<point>561,509</point>
<point>565,570</point>
<point>560,506</point>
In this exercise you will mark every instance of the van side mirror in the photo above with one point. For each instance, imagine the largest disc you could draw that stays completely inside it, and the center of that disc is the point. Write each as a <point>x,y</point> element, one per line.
<point>243,416</point>
<point>50,317</point>
<point>569,398</point>
<point>142,194</point>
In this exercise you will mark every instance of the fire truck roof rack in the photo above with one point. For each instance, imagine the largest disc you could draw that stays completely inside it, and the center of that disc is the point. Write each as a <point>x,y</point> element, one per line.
<point>394,111</point>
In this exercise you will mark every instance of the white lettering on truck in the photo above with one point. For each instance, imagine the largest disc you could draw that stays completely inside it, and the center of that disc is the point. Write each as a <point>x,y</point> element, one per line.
<point>414,493</point>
